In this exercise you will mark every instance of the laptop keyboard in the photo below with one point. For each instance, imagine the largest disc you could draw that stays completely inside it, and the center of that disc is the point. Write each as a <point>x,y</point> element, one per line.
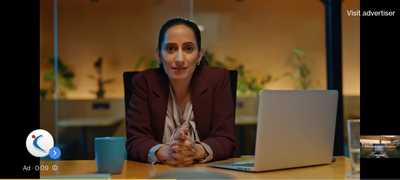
<point>250,164</point>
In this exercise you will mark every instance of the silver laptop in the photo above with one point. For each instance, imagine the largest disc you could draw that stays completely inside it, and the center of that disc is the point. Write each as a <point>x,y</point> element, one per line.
<point>294,129</point>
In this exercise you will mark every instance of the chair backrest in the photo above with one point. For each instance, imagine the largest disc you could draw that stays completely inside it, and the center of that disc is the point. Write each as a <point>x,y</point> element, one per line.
<point>233,75</point>
<point>128,89</point>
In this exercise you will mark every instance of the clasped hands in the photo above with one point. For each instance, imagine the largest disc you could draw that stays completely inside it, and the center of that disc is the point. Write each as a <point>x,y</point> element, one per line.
<point>182,151</point>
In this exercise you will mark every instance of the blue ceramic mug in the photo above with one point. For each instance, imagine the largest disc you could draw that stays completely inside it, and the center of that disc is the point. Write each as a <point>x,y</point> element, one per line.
<point>110,154</point>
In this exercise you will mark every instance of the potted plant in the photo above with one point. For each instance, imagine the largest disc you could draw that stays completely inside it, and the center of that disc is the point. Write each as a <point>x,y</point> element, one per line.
<point>101,82</point>
<point>145,63</point>
<point>247,85</point>
<point>65,78</point>
<point>301,74</point>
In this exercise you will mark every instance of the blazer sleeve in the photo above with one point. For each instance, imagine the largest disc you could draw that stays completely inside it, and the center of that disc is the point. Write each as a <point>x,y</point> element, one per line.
<point>222,135</point>
<point>140,136</point>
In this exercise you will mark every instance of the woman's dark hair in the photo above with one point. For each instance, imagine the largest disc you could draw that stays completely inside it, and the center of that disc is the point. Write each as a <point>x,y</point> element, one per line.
<point>178,21</point>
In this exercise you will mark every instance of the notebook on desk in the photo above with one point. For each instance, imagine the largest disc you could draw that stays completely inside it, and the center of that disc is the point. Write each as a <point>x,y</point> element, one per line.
<point>294,129</point>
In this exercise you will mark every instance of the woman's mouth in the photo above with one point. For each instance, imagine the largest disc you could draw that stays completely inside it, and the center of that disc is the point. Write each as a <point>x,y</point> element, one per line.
<point>179,68</point>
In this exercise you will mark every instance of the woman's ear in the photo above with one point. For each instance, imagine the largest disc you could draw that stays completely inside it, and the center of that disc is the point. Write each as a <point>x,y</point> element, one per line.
<point>201,54</point>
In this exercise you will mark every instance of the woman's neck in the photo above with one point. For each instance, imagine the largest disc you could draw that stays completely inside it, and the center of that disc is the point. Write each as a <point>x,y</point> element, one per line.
<point>181,91</point>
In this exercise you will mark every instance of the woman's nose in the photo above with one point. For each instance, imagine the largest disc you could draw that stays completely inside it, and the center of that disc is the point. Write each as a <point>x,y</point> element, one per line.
<point>179,56</point>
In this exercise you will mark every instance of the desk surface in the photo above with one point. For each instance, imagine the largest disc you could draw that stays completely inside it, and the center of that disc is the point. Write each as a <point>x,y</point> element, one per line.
<point>132,169</point>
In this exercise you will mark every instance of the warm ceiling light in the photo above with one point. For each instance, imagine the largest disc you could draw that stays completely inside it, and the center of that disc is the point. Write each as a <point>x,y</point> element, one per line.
<point>390,136</point>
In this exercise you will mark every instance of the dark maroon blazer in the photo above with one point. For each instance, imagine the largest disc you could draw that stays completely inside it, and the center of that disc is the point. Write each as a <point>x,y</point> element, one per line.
<point>213,110</point>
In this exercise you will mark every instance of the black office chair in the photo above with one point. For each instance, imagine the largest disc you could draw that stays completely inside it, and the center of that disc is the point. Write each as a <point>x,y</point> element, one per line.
<point>127,88</point>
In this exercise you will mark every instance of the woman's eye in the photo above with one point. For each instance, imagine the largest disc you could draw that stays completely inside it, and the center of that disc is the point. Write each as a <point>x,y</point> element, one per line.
<point>189,49</point>
<point>170,49</point>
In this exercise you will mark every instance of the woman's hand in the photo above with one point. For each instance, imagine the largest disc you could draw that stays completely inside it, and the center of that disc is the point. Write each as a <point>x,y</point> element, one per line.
<point>181,151</point>
<point>200,152</point>
<point>183,146</point>
<point>176,154</point>
<point>165,155</point>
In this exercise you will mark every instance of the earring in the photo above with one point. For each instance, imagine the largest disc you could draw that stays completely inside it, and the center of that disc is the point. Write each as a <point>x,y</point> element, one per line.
<point>198,63</point>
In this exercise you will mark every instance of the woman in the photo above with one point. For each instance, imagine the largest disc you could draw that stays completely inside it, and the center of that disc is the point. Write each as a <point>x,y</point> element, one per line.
<point>183,112</point>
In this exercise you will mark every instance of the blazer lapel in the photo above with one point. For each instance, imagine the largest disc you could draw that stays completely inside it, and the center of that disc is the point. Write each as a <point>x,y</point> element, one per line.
<point>199,89</point>
<point>159,104</point>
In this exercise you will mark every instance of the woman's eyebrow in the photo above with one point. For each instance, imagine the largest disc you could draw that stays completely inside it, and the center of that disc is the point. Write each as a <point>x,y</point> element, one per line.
<point>171,43</point>
<point>188,43</point>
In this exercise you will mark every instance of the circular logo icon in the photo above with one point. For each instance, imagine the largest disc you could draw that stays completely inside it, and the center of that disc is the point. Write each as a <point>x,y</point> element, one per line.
<point>39,142</point>
<point>54,153</point>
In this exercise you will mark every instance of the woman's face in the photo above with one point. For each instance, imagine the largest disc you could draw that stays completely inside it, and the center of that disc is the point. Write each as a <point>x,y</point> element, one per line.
<point>179,52</point>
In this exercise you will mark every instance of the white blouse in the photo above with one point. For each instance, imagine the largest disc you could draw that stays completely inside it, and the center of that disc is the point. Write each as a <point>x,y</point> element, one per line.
<point>175,118</point>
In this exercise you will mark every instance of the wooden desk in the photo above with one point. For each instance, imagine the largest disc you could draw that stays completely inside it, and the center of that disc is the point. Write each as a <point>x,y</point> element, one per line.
<point>132,169</point>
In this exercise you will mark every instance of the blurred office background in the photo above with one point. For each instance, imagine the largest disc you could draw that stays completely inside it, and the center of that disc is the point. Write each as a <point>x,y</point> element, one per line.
<point>276,44</point>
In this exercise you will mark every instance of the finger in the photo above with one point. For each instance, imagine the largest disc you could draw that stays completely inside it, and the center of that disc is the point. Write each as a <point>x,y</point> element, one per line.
<point>177,157</point>
<point>177,148</point>
<point>185,130</point>
<point>174,145</point>
<point>188,162</point>
<point>178,145</point>
<point>183,149</point>
<point>172,148</point>
<point>183,156</point>
<point>188,153</point>
<point>188,158</point>
<point>180,136</point>
<point>170,159</point>
<point>188,143</point>
<point>184,135</point>
<point>171,162</point>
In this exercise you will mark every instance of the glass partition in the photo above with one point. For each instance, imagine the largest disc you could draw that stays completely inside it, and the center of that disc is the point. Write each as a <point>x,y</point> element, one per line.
<point>95,41</point>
